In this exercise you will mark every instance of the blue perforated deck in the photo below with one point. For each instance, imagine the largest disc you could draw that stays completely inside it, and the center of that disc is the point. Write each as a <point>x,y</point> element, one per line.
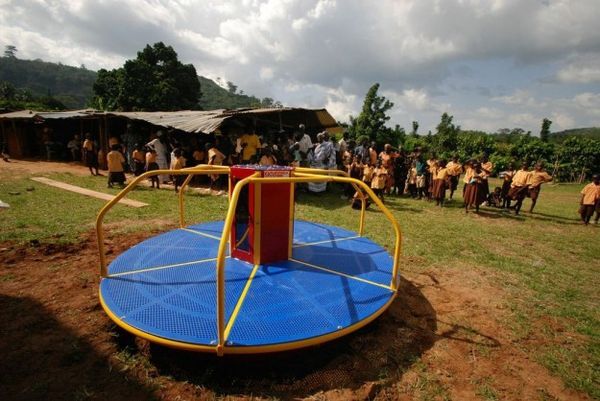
<point>166,287</point>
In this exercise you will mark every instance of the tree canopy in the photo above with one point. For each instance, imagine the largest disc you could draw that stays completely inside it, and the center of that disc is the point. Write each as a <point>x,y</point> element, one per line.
<point>154,80</point>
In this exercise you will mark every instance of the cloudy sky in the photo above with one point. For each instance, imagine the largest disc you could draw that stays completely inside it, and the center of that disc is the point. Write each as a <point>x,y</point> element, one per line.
<point>492,64</point>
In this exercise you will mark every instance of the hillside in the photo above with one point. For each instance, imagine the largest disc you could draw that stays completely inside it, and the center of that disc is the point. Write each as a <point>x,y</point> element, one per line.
<point>72,86</point>
<point>591,133</point>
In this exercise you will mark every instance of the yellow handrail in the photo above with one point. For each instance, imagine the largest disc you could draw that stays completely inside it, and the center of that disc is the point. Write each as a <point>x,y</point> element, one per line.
<point>363,200</point>
<point>221,260</point>
<point>302,177</point>
<point>234,198</point>
<point>126,190</point>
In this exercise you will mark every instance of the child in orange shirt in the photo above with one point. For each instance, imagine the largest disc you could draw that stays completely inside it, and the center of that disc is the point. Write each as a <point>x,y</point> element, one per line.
<point>590,200</point>
<point>368,174</point>
<point>115,161</point>
<point>537,177</point>
<point>139,160</point>
<point>380,177</point>
<point>440,182</point>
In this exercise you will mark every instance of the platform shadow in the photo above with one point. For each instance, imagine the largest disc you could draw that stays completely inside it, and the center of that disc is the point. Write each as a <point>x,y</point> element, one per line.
<point>381,351</point>
<point>44,360</point>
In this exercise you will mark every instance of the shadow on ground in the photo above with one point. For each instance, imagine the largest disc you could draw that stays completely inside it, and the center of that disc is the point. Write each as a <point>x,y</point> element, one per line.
<point>44,360</point>
<point>382,352</point>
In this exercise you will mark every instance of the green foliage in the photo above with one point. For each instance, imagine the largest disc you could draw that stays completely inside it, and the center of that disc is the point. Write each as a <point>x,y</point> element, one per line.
<point>155,80</point>
<point>444,143</point>
<point>372,119</point>
<point>10,51</point>
<point>18,99</point>
<point>545,131</point>
<point>216,97</point>
<point>71,86</point>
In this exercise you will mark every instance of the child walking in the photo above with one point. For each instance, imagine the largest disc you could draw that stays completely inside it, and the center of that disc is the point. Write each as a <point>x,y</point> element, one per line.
<point>151,164</point>
<point>590,200</point>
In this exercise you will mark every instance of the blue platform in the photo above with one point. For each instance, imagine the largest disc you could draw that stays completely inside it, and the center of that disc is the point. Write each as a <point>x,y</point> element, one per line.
<point>165,287</point>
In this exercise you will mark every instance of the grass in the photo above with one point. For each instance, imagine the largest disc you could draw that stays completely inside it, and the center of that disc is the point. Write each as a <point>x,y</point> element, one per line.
<point>547,263</point>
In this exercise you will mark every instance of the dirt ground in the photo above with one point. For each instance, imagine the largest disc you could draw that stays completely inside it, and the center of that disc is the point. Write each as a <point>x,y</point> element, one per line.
<point>443,338</point>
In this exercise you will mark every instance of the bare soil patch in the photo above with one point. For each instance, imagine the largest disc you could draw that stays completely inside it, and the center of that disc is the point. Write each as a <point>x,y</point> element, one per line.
<point>441,339</point>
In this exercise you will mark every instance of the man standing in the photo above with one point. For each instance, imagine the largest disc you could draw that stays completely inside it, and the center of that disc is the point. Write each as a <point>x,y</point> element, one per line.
<point>323,157</point>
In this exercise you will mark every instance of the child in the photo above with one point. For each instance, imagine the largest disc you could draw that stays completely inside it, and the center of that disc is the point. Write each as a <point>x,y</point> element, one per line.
<point>432,168</point>
<point>474,190</point>
<point>267,158</point>
<point>537,177</point>
<point>215,158</point>
<point>411,181</point>
<point>90,156</point>
<point>454,171</point>
<point>439,180</point>
<point>519,186</point>
<point>506,181</point>
<point>115,160</point>
<point>151,164</point>
<point>178,163</point>
<point>495,198</point>
<point>590,200</point>
<point>356,202</point>
<point>379,179</point>
<point>486,168</point>
<point>139,160</point>
<point>368,174</point>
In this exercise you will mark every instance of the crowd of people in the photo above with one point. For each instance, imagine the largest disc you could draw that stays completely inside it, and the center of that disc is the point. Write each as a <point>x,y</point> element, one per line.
<point>387,171</point>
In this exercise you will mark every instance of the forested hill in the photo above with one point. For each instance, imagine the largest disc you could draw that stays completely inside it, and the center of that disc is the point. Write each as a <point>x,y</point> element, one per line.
<point>72,86</point>
<point>591,133</point>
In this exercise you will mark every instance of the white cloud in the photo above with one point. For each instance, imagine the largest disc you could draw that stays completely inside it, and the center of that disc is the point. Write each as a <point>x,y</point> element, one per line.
<point>328,52</point>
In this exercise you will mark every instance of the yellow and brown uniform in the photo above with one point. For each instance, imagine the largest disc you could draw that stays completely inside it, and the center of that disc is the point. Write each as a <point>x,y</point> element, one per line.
<point>379,180</point>
<point>440,183</point>
<point>535,181</point>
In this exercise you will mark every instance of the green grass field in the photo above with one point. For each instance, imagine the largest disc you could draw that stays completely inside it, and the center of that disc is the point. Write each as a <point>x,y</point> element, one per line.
<point>546,263</point>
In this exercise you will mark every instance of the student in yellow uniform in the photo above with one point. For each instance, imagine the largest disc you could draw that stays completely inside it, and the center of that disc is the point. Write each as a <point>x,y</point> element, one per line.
<point>590,200</point>
<point>177,164</point>
<point>454,171</point>
<point>486,168</point>
<point>379,179</point>
<point>199,156</point>
<point>115,160</point>
<point>537,177</point>
<point>250,144</point>
<point>432,168</point>
<point>474,191</point>
<point>440,183</point>
<point>519,186</point>
<point>506,182</point>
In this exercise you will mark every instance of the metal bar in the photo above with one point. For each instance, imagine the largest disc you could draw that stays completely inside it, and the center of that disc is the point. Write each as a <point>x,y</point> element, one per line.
<point>221,261</point>
<point>121,195</point>
<point>204,169</point>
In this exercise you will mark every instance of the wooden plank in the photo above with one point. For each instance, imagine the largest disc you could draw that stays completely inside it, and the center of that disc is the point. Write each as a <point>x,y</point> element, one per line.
<point>87,192</point>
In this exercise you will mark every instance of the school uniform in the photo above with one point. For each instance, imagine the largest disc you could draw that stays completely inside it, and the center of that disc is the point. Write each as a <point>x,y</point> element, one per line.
<point>486,171</point>
<point>454,171</point>
<point>379,178</point>
<point>368,174</point>
<point>506,182</point>
<point>590,201</point>
<point>139,162</point>
<point>178,164</point>
<point>519,185</point>
<point>474,194</point>
<point>90,156</point>
<point>115,161</point>
<point>440,183</point>
<point>535,181</point>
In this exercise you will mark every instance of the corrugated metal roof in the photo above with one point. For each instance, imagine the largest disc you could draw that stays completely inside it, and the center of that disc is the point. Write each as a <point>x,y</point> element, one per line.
<point>200,121</point>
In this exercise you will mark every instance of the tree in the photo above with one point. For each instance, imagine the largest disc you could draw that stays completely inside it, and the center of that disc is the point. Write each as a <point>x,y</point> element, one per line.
<point>545,131</point>
<point>415,128</point>
<point>10,51</point>
<point>371,121</point>
<point>155,80</point>
<point>445,141</point>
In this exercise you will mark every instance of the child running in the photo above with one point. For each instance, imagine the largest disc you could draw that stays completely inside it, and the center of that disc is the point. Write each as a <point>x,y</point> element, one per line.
<point>519,186</point>
<point>590,200</point>
<point>537,177</point>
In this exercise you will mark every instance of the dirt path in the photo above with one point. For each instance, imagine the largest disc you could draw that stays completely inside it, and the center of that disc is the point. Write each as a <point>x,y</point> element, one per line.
<point>442,339</point>
<point>20,168</point>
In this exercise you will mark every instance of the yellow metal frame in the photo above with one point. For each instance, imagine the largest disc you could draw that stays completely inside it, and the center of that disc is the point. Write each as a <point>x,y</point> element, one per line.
<point>299,175</point>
